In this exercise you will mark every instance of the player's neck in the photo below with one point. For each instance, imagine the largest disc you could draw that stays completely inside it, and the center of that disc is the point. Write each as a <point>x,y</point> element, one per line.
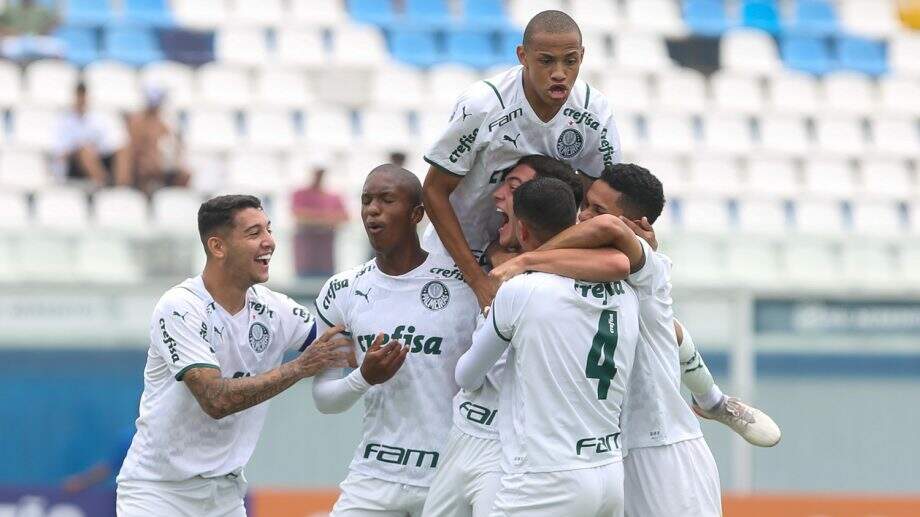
<point>401,259</point>
<point>226,291</point>
<point>543,111</point>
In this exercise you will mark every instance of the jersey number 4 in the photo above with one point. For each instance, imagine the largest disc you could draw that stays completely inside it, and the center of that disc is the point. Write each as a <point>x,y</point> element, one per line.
<point>600,358</point>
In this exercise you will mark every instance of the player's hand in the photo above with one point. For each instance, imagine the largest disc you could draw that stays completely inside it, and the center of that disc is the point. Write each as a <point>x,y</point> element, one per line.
<point>510,269</point>
<point>643,229</point>
<point>328,351</point>
<point>485,289</point>
<point>381,362</point>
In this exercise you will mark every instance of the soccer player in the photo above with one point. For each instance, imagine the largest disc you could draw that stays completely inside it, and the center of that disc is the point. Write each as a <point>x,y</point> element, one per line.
<point>216,346</point>
<point>418,304</point>
<point>539,107</point>
<point>570,350</point>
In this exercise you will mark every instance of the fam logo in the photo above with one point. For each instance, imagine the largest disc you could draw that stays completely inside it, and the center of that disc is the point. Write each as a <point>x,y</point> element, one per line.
<point>570,143</point>
<point>259,337</point>
<point>435,295</point>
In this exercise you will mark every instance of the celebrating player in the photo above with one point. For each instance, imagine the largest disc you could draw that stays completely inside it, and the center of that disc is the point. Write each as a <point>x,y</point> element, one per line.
<point>418,304</point>
<point>216,346</point>
<point>539,107</point>
<point>570,351</point>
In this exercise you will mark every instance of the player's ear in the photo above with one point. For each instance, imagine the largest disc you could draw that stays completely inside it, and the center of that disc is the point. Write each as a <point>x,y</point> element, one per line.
<point>418,213</point>
<point>216,247</point>
<point>520,55</point>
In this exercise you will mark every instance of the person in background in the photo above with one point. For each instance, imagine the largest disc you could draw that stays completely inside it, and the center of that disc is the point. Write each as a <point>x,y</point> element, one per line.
<point>155,149</point>
<point>25,27</point>
<point>318,214</point>
<point>103,470</point>
<point>90,149</point>
<point>398,158</point>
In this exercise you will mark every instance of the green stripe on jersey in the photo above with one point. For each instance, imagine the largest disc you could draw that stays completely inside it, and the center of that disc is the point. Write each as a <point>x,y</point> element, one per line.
<point>587,95</point>
<point>440,167</point>
<point>494,89</point>
<point>183,371</point>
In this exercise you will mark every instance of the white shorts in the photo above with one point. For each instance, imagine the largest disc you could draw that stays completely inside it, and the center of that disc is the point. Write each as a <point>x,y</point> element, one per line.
<point>467,479</point>
<point>365,496</point>
<point>677,480</point>
<point>591,492</point>
<point>196,497</point>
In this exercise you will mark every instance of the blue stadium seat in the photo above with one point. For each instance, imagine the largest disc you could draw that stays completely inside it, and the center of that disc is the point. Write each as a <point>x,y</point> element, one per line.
<point>80,42</point>
<point>508,44</point>
<point>760,14</point>
<point>471,47</point>
<point>154,13</point>
<point>187,46</point>
<point>813,18</point>
<point>427,14</point>
<point>416,47</point>
<point>376,12</point>
<point>485,14</point>
<point>133,45</point>
<point>807,53</point>
<point>862,55</point>
<point>706,17</point>
<point>94,13</point>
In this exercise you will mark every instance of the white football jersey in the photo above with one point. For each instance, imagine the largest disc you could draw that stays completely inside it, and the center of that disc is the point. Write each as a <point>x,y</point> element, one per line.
<point>430,309</point>
<point>476,411</point>
<point>571,352</point>
<point>656,413</point>
<point>493,126</point>
<point>176,440</point>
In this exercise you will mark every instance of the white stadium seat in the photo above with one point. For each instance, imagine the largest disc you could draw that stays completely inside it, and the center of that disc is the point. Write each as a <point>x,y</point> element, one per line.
<point>62,208</point>
<point>848,93</point>
<point>793,92</point>
<point>223,86</point>
<point>310,13</point>
<point>447,81</point>
<point>829,178</point>
<point>714,176</point>
<point>913,210</point>
<point>258,173</point>
<point>283,88</point>
<point>874,18</point>
<point>627,92</point>
<point>10,84</point>
<point>655,16</point>
<point>112,85</point>
<point>14,210</point>
<point>407,81</point>
<point>822,217</point>
<point>270,130</point>
<point>668,170</point>
<point>598,15</point>
<point>762,216</point>
<point>784,135</point>
<point>329,128</point>
<point>643,52</point>
<point>174,208</point>
<point>598,59</point>
<point>705,214</point>
<point>175,78</point>
<point>385,128</point>
<point>241,46</point>
<point>775,177</point>
<point>671,134</point>
<point>682,91</point>
<point>887,179</point>
<point>736,93</point>
<point>521,11</point>
<point>23,170</point>
<point>211,130</point>
<point>877,218</point>
<point>868,262</point>
<point>264,13</point>
<point>359,45</point>
<point>749,51</point>
<point>840,136</point>
<point>302,48</point>
<point>696,258</point>
<point>752,260</point>
<point>51,83</point>
<point>900,95</point>
<point>121,208</point>
<point>103,258</point>
<point>200,14</point>
<point>46,257</point>
<point>35,128</point>
<point>724,133</point>
<point>904,54</point>
<point>809,262</point>
<point>431,125</point>
<point>896,136</point>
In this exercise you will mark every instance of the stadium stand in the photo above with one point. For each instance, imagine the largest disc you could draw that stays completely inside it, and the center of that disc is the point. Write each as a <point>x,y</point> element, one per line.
<point>814,100</point>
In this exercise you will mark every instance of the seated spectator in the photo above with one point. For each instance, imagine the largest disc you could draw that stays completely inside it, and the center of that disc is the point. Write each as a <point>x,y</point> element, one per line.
<point>25,27</point>
<point>155,149</point>
<point>90,149</point>
<point>318,214</point>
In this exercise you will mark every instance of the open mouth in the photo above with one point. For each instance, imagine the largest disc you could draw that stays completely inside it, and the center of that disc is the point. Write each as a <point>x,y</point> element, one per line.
<point>558,91</point>
<point>264,259</point>
<point>505,220</point>
<point>373,227</point>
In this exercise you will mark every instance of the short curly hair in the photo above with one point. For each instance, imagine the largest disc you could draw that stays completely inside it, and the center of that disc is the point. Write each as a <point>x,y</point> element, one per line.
<point>642,194</point>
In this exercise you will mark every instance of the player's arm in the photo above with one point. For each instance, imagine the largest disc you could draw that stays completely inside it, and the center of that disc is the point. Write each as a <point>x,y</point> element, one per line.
<point>334,392</point>
<point>439,184</point>
<point>487,348</point>
<point>602,231</point>
<point>591,265</point>
<point>220,397</point>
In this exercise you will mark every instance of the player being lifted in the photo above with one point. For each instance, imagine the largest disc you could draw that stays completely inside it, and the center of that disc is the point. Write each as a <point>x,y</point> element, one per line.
<point>669,469</point>
<point>216,345</point>
<point>404,302</point>
<point>570,347</point>
<point>539,107</point>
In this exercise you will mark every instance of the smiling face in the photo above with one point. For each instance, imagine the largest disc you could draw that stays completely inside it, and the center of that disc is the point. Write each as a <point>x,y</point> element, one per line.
<point>504,202</point>
<point>551,63</point>
<point>389,212</point>
<point>248,246</point>
<point>601,199</point>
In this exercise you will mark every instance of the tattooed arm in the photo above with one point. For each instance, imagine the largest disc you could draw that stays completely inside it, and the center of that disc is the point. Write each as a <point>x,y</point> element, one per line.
<point>219,397</point>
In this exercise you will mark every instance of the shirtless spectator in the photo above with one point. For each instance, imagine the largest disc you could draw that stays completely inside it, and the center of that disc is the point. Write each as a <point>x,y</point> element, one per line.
<point>154,147</point>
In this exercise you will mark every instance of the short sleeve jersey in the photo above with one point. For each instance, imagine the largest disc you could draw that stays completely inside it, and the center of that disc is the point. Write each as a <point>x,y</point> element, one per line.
<point>493,126</point>
<point>569,360</point>
<point>656,413</point>
<point>431,310</point>
<point>176,440</point>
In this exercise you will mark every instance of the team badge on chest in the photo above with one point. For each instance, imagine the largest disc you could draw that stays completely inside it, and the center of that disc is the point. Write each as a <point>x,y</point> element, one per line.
<point>435,295</point>
<point>259,337</point>
<point>570,143</point>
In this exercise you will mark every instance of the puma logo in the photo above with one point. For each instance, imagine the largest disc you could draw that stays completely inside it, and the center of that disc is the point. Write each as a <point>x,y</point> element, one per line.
<point>180,316</point>
<point>219,332</point>
<point>464,113</point>
<point>512,140</point>
<point>359,293</point>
